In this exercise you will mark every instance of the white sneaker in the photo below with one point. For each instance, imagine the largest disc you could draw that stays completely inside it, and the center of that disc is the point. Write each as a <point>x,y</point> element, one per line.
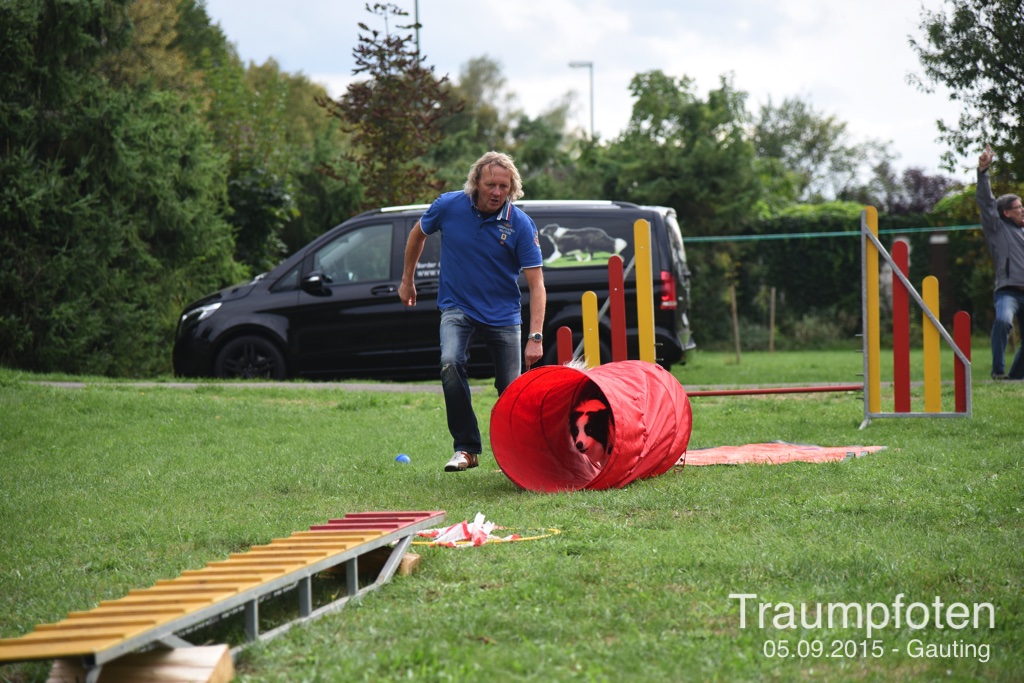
<point>461,461</point>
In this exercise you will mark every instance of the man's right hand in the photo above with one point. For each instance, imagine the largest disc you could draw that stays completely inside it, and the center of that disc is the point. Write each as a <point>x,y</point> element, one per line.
<point>407,293</point>
<point>985,160</point>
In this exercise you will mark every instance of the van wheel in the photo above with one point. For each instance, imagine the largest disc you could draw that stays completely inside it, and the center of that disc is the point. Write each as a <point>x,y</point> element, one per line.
<point>250,357</point>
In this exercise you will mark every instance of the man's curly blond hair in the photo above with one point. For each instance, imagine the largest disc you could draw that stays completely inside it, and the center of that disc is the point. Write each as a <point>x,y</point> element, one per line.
<point>494,159</point>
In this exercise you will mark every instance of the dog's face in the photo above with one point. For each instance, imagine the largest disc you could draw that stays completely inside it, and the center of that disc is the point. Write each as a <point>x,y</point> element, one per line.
<point>592,430</point>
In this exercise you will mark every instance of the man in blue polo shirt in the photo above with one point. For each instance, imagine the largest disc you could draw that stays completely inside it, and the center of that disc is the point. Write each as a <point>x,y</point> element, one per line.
<point>486,241</point>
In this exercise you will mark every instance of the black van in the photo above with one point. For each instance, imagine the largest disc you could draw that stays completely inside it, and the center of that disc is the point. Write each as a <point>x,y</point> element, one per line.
<point>331,310</point>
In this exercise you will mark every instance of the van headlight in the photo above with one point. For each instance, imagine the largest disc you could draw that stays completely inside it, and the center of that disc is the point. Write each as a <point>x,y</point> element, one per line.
<point>200,313</point>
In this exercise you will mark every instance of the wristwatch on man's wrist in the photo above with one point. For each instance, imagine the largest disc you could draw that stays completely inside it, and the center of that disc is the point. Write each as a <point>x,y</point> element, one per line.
<point>536,336</point>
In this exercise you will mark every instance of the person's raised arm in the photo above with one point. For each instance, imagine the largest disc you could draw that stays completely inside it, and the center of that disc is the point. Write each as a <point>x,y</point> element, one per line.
<point>985,160</point>
<point>983,196</point>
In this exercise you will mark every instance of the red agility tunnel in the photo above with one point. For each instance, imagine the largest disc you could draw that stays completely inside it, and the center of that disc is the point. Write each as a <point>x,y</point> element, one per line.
<point>533,443</point>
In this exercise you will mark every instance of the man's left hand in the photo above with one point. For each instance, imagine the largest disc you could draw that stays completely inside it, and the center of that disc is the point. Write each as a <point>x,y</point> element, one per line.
<point>534,352</point>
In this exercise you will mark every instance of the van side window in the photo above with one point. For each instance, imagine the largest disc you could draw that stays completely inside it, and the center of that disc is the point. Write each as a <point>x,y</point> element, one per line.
<point>429,265</point>
<point>360,255</point>
<point>678,251</point>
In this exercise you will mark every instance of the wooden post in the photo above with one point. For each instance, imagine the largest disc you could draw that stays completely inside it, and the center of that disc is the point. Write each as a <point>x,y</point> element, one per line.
<point>900,328</point>
<point>962,337</point>
<point>617,308</point>
<point>932,367</point>
<point>644,289</point>
<point>591,331</point>
<point>735,321</point>
<point>872,334</point>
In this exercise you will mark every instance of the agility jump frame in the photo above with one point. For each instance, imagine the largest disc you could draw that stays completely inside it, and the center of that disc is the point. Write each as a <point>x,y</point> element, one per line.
<point>960,342</point>
<point>871,247</point>
<point>615,305</point>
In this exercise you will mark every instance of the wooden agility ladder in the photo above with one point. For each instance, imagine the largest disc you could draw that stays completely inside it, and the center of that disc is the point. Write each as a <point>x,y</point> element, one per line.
<point>156,616</point>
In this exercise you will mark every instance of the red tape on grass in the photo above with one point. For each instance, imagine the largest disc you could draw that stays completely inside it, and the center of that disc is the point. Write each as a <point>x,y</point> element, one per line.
<point>530,435</point>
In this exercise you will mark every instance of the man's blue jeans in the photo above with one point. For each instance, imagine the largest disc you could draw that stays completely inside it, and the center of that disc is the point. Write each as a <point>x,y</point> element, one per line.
<point>1009,305</point>
<point>505,345</point>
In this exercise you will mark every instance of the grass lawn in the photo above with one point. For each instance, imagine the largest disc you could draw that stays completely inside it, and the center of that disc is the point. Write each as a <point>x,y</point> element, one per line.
<point>113,486</point>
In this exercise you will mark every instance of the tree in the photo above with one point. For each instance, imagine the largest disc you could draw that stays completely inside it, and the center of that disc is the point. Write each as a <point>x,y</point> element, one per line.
<point>202,41</point>
<point>806,155</point>
<point>152,57</point>
<point>247,115</point>
<point>913,192</point>
<point>111,217</point>
<point>539,149</point>
<point>490,119</point>
<point>691,154</point>
<point>395,115</point>
<point>488,109</point>
<point>680,151</point>
<point>276,139</point>
<point>974,49</point>
<point>313,140</point>
<point>244,106</point>
<point>482,122</point>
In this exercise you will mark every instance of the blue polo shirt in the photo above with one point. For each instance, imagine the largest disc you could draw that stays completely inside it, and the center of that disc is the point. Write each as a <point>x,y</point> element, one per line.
<point>481,257</point>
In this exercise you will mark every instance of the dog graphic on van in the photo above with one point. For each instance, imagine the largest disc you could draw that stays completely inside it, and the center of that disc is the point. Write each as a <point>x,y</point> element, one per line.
<point>581,243</point>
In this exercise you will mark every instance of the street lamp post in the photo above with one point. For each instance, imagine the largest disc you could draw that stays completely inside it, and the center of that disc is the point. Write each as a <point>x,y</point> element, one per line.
<point>417,7</point>
<point>590,66</point>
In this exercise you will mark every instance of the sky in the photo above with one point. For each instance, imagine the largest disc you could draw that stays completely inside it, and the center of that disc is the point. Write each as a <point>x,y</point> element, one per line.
<point>850,59</point>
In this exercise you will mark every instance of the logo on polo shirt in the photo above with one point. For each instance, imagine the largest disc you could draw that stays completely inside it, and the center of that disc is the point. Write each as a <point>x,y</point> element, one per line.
<point>506,231</point>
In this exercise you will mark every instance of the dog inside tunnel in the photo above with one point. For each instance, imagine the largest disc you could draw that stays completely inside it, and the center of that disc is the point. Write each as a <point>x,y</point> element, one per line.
<point>559,428</point>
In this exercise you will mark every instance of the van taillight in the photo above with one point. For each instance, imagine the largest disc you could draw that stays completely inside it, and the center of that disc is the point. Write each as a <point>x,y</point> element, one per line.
<point>668,291</point>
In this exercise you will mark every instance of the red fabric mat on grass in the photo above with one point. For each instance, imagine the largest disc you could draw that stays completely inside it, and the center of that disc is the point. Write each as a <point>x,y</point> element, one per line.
<point>774,453</point>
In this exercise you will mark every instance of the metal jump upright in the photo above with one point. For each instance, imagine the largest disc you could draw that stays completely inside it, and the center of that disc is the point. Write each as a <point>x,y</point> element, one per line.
<point>959,342</point>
